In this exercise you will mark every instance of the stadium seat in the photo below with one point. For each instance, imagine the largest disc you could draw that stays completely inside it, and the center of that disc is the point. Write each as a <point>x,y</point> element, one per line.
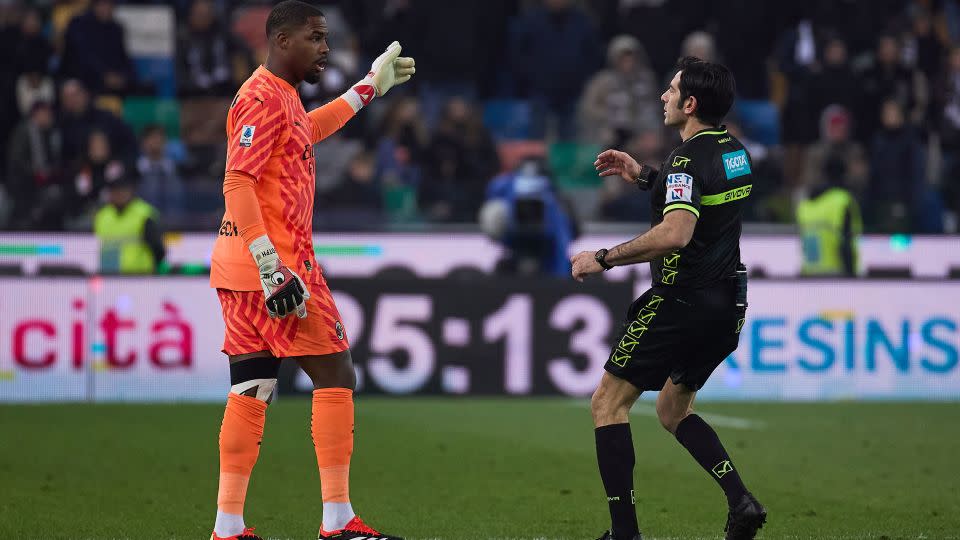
<point>400,202</point>
<point>140,112</point>
<point>508,118</point>
<point>157,72</point>
<point>176,150</point>
<point>512,152</point>
<point>572,164</point>
<point>759,119</point>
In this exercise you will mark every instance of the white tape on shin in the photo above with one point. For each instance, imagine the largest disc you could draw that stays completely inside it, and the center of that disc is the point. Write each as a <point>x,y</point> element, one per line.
<point>264,388</point>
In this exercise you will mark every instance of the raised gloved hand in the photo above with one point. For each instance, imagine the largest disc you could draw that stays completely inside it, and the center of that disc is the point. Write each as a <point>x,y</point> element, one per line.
<point>387,71</point>
<point>283,289</point>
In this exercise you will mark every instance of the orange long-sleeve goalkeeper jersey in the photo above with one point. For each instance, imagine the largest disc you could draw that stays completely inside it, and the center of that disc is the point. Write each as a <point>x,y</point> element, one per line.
<point>269,181</point>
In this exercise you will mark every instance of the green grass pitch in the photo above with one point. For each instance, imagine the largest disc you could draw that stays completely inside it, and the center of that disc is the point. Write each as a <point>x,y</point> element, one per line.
<point>465,469</point>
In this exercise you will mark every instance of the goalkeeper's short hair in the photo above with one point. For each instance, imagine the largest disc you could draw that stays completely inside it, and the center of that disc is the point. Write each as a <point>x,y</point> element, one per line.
<point>290,14</point>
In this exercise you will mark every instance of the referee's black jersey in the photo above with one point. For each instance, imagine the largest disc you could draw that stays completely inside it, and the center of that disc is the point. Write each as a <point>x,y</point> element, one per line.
<point>710,175</point>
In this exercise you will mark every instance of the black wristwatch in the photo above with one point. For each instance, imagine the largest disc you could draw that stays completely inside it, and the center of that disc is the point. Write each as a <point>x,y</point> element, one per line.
<point>599,257</point>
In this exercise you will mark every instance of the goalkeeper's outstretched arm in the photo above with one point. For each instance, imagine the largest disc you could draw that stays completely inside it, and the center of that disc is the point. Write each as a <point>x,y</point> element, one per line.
<point>387,71</point>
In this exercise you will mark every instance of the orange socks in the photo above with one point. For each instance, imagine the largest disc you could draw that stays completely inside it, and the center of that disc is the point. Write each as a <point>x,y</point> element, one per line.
<point>332,429</point>
<point>240,436</point>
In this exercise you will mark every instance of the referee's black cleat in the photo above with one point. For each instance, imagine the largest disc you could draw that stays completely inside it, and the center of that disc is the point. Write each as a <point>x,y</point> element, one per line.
<point>745,519</point>
<point>608,535</point>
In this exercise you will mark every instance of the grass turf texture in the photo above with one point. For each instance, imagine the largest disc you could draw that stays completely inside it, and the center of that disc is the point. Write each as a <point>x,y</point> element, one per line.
<point>461,469</point>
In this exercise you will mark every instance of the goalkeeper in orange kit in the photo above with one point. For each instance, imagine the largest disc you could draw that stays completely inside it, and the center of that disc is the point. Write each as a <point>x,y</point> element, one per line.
<point>276,303</point>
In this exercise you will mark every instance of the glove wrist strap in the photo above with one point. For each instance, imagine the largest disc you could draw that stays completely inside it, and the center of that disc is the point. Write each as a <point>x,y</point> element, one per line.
<point>361,94</point>
<point>262,249</point>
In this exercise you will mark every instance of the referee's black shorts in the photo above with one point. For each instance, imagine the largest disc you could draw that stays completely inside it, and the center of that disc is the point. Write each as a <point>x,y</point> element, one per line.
<point>683,334</point>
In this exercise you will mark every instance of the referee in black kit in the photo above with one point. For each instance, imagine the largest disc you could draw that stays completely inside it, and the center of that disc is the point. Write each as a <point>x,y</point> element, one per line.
<point>687,323</point>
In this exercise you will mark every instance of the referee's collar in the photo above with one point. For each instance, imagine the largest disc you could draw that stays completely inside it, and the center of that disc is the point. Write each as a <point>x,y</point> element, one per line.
<point>722,130</point>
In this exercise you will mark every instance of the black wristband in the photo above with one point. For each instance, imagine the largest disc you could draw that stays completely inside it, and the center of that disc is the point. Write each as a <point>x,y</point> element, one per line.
<point>599,257</point>
<point>646,177</point>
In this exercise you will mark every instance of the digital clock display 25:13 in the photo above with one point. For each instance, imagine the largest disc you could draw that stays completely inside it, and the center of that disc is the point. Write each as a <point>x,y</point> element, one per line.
<point>521,337</point>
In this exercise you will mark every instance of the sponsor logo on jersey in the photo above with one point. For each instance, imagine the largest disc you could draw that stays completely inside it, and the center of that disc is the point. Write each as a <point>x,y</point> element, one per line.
<point>680,161</point>
<point>339,328</point>
<point>307,152</point>
<point>739,193</point>
<point>736,164</point>
<point>246,135</point>
<point>228,228</point>
<point>679,188</point>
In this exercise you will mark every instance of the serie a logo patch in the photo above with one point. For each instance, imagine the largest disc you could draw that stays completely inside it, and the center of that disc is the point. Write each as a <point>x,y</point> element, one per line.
<point>246,135</point>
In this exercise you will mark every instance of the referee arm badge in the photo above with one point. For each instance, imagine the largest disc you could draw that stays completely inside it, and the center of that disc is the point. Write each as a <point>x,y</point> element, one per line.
<point>679,188</point>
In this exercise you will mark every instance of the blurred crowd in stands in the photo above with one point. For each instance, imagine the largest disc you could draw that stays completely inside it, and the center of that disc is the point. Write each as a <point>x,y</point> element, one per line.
<point>860,94</point>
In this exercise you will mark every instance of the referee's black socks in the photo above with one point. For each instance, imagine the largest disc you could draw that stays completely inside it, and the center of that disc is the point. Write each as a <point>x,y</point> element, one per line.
<point>703,444</point>
<point>616,460</point>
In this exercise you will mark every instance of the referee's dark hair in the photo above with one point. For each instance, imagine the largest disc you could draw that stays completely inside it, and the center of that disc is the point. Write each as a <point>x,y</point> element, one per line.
<point>712,84</point>
<point>288,15</point>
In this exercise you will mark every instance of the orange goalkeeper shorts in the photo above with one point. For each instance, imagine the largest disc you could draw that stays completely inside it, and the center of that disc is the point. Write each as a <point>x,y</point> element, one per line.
<point>250,329</point>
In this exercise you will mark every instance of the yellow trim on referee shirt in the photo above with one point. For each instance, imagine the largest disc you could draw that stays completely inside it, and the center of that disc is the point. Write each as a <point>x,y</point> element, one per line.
<point>715,132</point>
<point>684,206</point>
<point>734,194</point>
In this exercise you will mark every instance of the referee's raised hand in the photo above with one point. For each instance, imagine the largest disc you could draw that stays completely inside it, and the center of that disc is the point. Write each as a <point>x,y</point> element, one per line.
<point>614,162</point>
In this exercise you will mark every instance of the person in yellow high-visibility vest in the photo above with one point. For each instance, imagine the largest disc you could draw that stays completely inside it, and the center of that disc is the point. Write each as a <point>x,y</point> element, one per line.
<point>131,241</point>
<point>830,227</point>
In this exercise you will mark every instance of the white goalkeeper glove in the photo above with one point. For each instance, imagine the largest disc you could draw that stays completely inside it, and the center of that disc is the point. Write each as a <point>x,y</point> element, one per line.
<point>283,290</point>
<point>387,71</point>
